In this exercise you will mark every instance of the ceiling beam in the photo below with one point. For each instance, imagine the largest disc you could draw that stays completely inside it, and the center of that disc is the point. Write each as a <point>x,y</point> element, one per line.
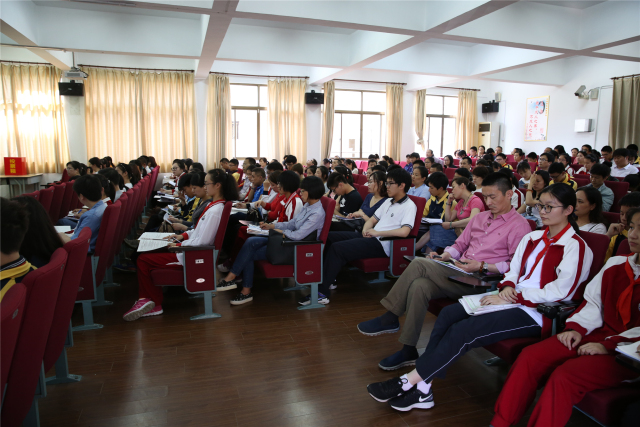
<point>64,62</point>
<point>217,27</point>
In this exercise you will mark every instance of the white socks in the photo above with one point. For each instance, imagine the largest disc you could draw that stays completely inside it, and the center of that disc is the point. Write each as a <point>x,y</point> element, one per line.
<point>424,387</point>
<point>406,386</point>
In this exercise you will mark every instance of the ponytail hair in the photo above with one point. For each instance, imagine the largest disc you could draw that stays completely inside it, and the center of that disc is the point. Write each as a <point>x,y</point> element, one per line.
<point>114,177</point>
<point>469,185</point>
<point>344,171</point>
<point>564,194</point>
<point>109,188</point>
<point>228,185</point>
<point>594,198</point>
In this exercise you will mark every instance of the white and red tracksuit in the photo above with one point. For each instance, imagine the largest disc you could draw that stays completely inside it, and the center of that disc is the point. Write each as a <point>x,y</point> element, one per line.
<point>569,376</point>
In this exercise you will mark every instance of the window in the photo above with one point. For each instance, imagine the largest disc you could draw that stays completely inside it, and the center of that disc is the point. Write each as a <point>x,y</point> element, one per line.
<point>359,127</point>
<point>440,126</point>
<point>249,120</point>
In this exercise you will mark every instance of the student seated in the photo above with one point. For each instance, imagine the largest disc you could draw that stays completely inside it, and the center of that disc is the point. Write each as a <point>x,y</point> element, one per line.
<point>419,180</point>
<point>309,220</point>
<point>89,191</point>
<point>233,169</point>
<point>456,216</point>
<point>257,186</point>
<point>127,176</point>
<point>466,163</point>
<point>565,159</point>
<point>435,167</point>
<point>524,170</point>
<point>479,174</point>
<point>548,266</point>
<point>395,218</point>
<point>622,167</point>
<point>618,232</point>
<point>434,210</point>
<point>220,187</point>
<point>518,197</point>
<point>487,244</point>
<point>107,195</point>
<point>502,160</point>
<point>376,197</point>
<point>115,179</point>
<point>348,201</point>
<point>75,170</point>
<point>462,173</point>
<point>582,358</point>
<point>41,239</point>
<point>559,175</point>
<point>599,173</point>
<point>428,162</point>
<point>244,190</point>
<point>633,180</point>
<point>323,173</point>
<point>448,161</point>
<point>13,228</point>
<point>539,181</point>
<point>589,211</point>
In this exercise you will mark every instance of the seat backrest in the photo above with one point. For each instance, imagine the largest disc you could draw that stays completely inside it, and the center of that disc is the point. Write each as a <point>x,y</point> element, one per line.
<point>612,217</point>
<point>582,180</point>
<point>11,310</point>
<point>65,176</point>
<point>76,254</point>
<point>56,202</point>
<point>420,204</point>
<point>456,162</point>
<point>532,224</point>
<point>35,194</point>
<point>364,191</point>
<point>623,248</point>
<point>598,243</point>
<point>619,189</point>
<point>533,166</point>
<point>224,220</point>
<point>450,172</point>
<point>67,199</point>
<point>329,206</point>
<point>42,287</point>
<point>46,197</point>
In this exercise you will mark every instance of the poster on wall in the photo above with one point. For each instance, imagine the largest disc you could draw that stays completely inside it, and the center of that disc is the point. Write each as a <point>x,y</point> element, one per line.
<point>537,118</point>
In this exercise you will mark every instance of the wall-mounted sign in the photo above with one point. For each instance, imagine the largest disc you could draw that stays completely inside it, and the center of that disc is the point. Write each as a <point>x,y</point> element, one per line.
<point>537,119</point>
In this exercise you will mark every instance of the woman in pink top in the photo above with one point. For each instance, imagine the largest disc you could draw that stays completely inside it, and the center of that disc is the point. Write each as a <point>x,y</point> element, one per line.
<point>456,218</point>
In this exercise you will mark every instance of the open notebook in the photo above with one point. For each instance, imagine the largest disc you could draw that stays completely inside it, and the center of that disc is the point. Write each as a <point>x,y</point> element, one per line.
<point>630,350</point>
<point>471,304</point>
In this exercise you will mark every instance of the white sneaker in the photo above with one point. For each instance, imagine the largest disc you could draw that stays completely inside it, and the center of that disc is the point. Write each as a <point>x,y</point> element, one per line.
<point>223,268</point>
<point>333,286</point>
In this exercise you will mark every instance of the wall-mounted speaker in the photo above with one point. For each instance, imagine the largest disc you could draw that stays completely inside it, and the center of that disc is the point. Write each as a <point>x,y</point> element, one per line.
<point>71,89</point>
<point>490,107</point>
<point>314,98</point>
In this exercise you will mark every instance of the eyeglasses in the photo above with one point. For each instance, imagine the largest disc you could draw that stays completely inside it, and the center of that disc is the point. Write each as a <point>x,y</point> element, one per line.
<point>391,183</point>
<point>545,208</point>
<point>208,183</point>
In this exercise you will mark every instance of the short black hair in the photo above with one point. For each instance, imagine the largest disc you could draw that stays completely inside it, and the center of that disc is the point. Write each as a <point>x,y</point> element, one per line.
<point>437,166</point>
<point>275,166</point>
<point>633,180</point>
<point>291,159</point>
<point>463,172</point>
<point>184,181</point>
<point>419,163</point>
<point>313,186</point>
<point>180,163</point>
<point>556,168</point>
<point>438,180</point>
<point>631,200</point>
<point>501,155</point>
<point>336,178</point>
<point>374,161</point>
<point>621,152</point>
<point>592,158</point>
<point>629,147</point>
<point>197,178</point>
<point>89,186</point>
<point>384,164</point>
<point>251,160</point>
<point>379,168</point>
<point>467,158</point>
<point>95,162</point>
<point>234,162</point>
<point>523,166</point>
<point>600,170</point>
<point>14,225</point>
<point>289,181</point>
<point>260,172</point>
<point>607,149</point>
<point>223,160</point>
<point>567,157</point>
<point>532,155</point>
<point>497,179</point>
<point>549,156</point>
<point>481,171</point>
<point>187,163</point>
<point>400,176</point>
<point>482,162</point>
<point>197,166</point>
<point>424,173</point>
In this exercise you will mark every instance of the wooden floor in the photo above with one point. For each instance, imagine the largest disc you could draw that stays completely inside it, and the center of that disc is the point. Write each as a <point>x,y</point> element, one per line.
<point>262,364</point>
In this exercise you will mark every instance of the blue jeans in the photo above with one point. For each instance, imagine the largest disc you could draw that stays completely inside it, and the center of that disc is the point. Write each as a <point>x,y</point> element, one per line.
<point>66,221</point>
<point>254,249</point>
<point>441,238</point>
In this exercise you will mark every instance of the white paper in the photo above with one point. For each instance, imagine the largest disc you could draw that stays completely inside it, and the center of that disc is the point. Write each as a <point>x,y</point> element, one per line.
<point>471,304</point>
<point>451,266</point>
<point>629,350</point>
<point>238,210</point>
<point>154,236</point>
<point>255,229</point>
<point>151,245</point>
<point>62,228</point>
<point>432,220</point>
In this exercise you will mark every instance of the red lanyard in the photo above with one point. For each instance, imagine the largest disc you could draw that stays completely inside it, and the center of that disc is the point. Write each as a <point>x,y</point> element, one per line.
<point>547,243</point>
<point>623,304</point>
<point>209,206</point>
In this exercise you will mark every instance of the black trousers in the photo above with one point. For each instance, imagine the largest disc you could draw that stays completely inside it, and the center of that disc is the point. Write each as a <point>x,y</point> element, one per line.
<point>456,332</point>
<point>233,227</point>
<point>345,246</point>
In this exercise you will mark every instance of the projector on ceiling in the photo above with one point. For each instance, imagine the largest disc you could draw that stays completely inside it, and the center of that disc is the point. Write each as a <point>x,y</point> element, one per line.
<point>74,73</point>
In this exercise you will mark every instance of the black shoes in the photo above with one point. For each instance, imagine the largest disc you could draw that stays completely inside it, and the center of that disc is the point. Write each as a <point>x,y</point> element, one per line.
<point>413,398</point>
<point>387,390</point>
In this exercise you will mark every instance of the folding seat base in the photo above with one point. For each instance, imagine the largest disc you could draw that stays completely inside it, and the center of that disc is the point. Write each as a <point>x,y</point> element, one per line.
<point>108,279</point>
<point>381,279</point>
<point>494,361</point>
<point>62,371</point>
<point>314,297</point>
<point>87,312</point>
<point>100,301</point>
<point>208,307</point>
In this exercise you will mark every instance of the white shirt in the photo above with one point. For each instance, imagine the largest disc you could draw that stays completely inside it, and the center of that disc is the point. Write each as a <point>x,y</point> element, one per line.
<point>533,281</point>
<point>393,215</point>
<point>204,234</point>
<point>128,185</point>
<point>593,227</point>
<point>569,170</point>
<point>622,172</point>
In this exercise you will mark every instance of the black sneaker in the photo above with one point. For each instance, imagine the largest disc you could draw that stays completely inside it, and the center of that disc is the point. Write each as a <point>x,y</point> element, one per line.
<point>387,390</point>
<point>223,285</point>
<point>414,398</point>
<point>241,299</point>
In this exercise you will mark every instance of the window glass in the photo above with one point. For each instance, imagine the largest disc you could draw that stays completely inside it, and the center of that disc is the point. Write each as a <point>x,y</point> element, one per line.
<point>374,131</point>
<point>337,132</point>
<point>450,106</point>
<point>245,132</point>
<point>435,134</point>
<point>244,96</point>
<point>449,135</point>
<point>265,136</point>
<point>433,104</point>
<point>264,96</point>
<point>348,100</point>
<point>374,102</point>
<point>350,135</point>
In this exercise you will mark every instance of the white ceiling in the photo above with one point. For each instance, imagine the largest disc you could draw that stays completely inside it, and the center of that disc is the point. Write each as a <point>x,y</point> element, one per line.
<point>421,43</point>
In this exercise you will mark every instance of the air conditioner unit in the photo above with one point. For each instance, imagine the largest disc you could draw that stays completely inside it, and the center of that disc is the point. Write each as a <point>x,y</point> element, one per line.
<point>489,134</point>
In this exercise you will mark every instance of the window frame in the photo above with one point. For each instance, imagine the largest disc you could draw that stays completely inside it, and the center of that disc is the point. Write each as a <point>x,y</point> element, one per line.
<point>361,112</point>
<point>234,128</point>
<point>441,117</point>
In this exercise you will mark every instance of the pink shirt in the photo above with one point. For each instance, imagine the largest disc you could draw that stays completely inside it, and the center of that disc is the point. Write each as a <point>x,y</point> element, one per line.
<point>493,241</point>
<point>475,202</point>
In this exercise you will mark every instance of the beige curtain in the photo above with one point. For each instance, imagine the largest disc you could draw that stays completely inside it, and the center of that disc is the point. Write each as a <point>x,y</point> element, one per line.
<point>394,120</point>
<point>287,118</point>
<point>467,120</point>
<point>625,113</point>
<point>32,117</point>
<point>420,116</point>
<point>327,119</point>
<point>130,113</point>
<point>219,142</point>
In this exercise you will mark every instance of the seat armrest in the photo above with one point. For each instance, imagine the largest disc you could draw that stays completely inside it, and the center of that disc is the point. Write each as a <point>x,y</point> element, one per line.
<point>395,238</point>
<point>190,248</point>
<point>490,277</point>
<point>557,310</point>
<point>300,242</point>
